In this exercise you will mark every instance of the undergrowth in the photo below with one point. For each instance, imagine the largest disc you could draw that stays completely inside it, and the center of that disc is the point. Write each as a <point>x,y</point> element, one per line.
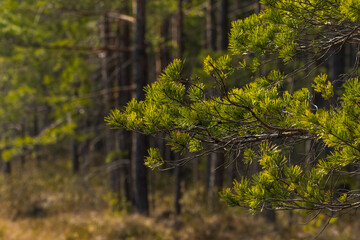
<point>57,205</point>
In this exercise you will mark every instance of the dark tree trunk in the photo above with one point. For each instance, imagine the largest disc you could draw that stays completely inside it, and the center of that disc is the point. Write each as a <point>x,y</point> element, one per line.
<point>217,160</point>
<point>178,193</point>
<point>75,156</point>
<point>84,154</point>
<point>217,167</point>
<point>75,151</point>
<point>7,168</point>
<point>337,65</point>
<point>179,54</point>
<point>163,57</point>
<point>35,133</point>
<point>180,30</point>
<point>270,216</point>
<point>124,79</point>
<point>208,175</point>
<point>22,157</point>
<point>216,177</point>
<point>223,24</point>
<point>139,173</point>
<point>210,25</point>
<point>236,8</point>
<point>106,79</point>
<point>163,53</point>
<point>210,44</point>
<point>231,171</point>
<point>105,60</point>
<point>257,7</point>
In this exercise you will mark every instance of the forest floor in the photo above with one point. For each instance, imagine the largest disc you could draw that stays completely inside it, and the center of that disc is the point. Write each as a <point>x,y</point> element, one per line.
<point>55,205</point>
<point>103,226</point>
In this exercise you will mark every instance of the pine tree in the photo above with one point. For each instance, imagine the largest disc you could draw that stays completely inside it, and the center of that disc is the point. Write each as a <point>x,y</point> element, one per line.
<point>252,118</point>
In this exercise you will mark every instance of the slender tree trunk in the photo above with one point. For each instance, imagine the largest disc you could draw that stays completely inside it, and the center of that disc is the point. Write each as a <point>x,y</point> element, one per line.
<point>231,171</point>
<point>215,172</point>
<point>107,81</point>
<point>195,173</point>
<point>75,156</point>
<point>35,133</point>
<point>105,60</point>
<point>237,8</point>
<point>162,60</point>
<point>22,157</point>
<point>74,143</point>
<point>7,168</point>
<point>210,25</point>
<point>223,24</point>
<point>258,7</point>
<point>139,173</point>
<point>124,79</point>
<point>163,53</point>
<point>84,154</point>
<point>269,214</point>
<point>179,54</point>
<point>178,193</point>
<point>208,175</point>
<point>180,30</point>
<point>216,177</point>
<point>211,45</point>
<point>337,65</point>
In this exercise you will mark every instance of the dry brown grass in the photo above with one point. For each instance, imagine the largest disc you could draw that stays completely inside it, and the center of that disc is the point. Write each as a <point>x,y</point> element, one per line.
<point>57,206</point>
<point>99,225</point>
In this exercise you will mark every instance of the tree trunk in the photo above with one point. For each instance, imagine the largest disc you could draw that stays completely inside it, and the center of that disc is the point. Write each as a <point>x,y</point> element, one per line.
<point>106,79</point>
<point>180,30</point>
<point>223,24</point>
<point>162,53</point>
<point>337,65</point>
<point>211,45</point>
<point>179,54</point>
<point>258,7</point>
<point>35,133</point>
<point>210,25</point>
<point>216,177</point>
<point>139,173</point>
<point>231,170</point>
<point>236,9</point>
<point>22,156</point>
<point>7,168</point>
<point>124,79</point>
<point>178,193</point>
<point>75,156</point>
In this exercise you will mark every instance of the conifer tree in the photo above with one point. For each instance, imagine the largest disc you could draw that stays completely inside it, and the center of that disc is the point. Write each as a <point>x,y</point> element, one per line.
<point>261,119</point>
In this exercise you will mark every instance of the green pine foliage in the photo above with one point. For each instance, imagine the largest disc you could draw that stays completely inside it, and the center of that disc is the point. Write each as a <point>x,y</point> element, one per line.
<point>252,118</point>
<point>259,112</point>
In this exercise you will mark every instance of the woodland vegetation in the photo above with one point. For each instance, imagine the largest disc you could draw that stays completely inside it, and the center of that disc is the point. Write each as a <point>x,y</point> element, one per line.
<point>179,119</point>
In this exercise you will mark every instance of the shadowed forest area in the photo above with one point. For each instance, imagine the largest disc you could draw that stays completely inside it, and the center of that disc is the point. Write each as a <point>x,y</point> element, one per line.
<point>179,119</point>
